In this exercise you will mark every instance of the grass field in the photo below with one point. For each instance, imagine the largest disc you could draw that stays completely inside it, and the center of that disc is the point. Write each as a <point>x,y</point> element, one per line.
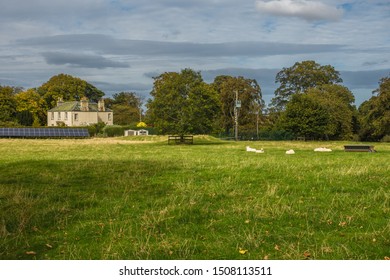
<point>144,199</point>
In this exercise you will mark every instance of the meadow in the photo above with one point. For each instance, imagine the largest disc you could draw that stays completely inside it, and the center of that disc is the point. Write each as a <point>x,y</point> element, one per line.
<point>139,198</point>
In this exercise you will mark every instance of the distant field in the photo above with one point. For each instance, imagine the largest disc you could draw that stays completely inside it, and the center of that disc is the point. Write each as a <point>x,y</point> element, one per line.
<point>143,199</point>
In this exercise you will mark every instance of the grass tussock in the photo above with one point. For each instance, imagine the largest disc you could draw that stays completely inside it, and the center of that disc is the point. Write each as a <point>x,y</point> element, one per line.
<point>143,199</point>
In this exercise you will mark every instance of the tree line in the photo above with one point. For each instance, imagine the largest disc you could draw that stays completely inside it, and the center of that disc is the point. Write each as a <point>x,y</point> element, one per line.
<point>311,102</point>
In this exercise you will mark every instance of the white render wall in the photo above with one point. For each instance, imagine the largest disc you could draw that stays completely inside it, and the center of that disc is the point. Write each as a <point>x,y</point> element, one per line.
<point>79,118</point>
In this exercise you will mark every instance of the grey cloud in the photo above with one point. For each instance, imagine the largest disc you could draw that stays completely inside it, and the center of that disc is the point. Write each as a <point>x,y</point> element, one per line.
<point>108,45</point>
<point>265,77</point>
<point>364,79</point>
<point>374,63</point>
<point>81,60</point>
<point>36,10</point>
<point>111,88</point>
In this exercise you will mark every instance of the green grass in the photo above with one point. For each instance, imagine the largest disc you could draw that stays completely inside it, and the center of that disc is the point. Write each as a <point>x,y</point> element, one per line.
<point>144,199</point>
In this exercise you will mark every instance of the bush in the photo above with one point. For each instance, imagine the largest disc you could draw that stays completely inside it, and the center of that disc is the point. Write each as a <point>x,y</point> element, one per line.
<point>114,130</point>
<point>91,130</point>
<point>386,138</point>
<point>9,124</point>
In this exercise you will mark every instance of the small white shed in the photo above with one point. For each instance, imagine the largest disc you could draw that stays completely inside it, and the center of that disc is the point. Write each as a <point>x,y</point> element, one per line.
<point>141,132</point>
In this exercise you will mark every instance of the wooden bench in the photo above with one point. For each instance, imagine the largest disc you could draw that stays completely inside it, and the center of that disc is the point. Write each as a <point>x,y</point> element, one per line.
<point>359,148</point>
<point>180,139</point>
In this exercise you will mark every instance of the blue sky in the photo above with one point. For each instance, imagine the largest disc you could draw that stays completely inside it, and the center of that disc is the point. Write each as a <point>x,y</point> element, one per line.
<point>121,45</point>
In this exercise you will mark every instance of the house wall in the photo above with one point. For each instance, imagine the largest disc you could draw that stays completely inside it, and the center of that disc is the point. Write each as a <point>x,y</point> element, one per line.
<point>106,117</point>
<point>54,117</point>
<point>84,118</point>
<point>79,118</point>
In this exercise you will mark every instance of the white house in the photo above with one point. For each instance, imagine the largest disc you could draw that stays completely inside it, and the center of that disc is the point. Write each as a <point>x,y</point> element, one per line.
<point>79,113</point>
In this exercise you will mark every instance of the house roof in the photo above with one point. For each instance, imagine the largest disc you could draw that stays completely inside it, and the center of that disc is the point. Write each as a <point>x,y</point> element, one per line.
<point>74,106</point>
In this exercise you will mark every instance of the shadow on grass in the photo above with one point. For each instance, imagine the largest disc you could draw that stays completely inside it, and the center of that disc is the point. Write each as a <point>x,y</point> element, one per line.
<point>42,198</point>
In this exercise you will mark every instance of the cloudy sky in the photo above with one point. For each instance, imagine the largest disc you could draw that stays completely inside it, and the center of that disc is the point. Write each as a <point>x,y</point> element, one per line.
<point>120,45</point>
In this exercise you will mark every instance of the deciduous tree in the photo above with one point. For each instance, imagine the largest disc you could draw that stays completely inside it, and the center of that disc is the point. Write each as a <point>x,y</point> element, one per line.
<point>338,101</point>
<point>300,77</point>
<point>68,88</point>
<point>7,104</point>
<point>31,108</point>
<point>375,113</point>
<point>325,111</point>
<point>248,93</point>
<point>182,103</point>
<point>305,116</point>
<point>127,107</point>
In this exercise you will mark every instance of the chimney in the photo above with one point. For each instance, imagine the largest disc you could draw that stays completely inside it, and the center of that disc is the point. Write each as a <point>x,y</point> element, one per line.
<point>59,101</point>
<point>84,104</point>
<point>101,107</point>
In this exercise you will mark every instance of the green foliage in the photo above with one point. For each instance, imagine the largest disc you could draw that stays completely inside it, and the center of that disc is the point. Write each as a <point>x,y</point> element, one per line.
<point>114,130</point>
<point>249,93</point>
<point>305,117</point>
<point>127,107</point>
<point>7,104</point>
<point>300,77</point>
<point>25,118</point>
<point>375,113</point>
<point>68,88</point>
<point>338,101</point>
<point>9,124</point>
<point>96,129</point>
<point>386,139</point>
<point>31,108</point>
<point>182,103</point>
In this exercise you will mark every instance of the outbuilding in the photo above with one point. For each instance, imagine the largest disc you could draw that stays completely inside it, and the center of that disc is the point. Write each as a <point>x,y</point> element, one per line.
<point>141,132</point>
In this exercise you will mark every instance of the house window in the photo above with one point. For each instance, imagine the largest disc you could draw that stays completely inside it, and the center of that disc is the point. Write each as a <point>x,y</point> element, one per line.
<point>59,115</point>
<point>52,115</point>
<point>66,116</point>
<point>76,117</point>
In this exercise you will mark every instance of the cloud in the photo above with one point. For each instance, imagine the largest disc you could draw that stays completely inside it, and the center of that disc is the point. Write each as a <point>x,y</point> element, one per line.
<point>109,45</point>
<point>363,79</point>
<point>111,88</point>
<point>308,10</point>
<point>81,60</point>
<point>375,63</point>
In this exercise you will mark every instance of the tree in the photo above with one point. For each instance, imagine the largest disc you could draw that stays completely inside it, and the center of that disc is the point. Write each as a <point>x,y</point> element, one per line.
<point>69,89</point>
<point>7,104</point>
<point>182,103</point>
<point>325,111</point>
<point>305,116</point>
<point>127,107</point>
<point>338,101</point>
<point>203,109</point>
<point>300,77</point>
<point>248,92</point>
<point>374,113</point>
<point>31,108</point>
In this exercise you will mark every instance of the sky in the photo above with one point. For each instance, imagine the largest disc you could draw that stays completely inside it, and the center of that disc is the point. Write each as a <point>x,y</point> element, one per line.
<point>120,45</point>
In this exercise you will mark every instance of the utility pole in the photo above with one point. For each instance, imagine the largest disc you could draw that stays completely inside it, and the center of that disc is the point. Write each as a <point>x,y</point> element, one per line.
<point>236,106</point>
